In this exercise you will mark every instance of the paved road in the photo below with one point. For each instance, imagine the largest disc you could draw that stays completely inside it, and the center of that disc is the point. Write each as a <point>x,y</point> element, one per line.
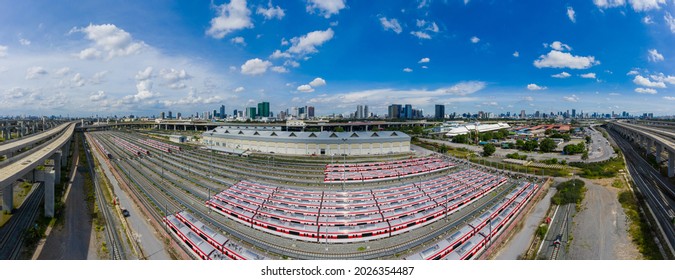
<point>71,240</point>
<point>600,149</point>
<point>152,247</point>
<point>600,229</point>
<point>520,242</point>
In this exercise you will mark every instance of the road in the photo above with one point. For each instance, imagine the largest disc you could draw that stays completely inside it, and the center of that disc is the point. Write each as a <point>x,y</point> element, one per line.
<point>600,228</point>
<point>70,241</point>
<point>650,184</point>
<point>600,149</point>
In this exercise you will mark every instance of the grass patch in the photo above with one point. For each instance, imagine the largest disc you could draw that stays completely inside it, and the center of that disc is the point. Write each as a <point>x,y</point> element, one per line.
<point>617,183</point>
<point>598,170</point>
<point>361,249</point>
<point>571,191</point>
<point>639,230</point>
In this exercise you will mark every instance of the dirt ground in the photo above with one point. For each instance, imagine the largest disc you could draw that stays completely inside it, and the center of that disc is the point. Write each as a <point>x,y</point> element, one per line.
<point>600,229</point>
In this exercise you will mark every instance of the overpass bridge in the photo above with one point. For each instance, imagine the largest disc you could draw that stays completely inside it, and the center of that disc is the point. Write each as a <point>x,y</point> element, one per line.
<point>24,127</point>
<point>56,149</point>
<point>8,148</point>
<point>661,140</point>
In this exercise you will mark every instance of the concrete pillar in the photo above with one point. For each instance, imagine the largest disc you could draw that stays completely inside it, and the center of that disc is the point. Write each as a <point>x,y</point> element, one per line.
<point>8,198</point>
<point>671,163</point>
<point>57,165</point>
<point>650,142</point>
<point>659,151</point>
<point>47,176</point>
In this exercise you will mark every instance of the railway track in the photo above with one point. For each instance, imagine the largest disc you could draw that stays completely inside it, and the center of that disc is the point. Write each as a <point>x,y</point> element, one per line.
<point>175,190</point>
<point>117,251</point>
<point>12,233</point>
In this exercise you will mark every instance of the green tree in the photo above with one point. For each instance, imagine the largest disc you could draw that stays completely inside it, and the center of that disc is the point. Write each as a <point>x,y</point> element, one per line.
<point>547,145</point>
<point>530,145</point>
<point>443,149</point>
<point>584,156</point>
<point>588,139</point>
<point>488,149</point>
<point>520,144</point>
<point>339,129</point>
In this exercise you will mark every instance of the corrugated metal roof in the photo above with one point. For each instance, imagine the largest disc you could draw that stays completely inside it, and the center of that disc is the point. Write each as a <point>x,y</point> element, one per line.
<point>325,137</point>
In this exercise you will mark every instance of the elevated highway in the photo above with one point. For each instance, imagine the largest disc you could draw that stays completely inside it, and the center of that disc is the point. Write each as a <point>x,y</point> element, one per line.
<point>12,172</point>
<point>13,146</point>
<point>661,140</point>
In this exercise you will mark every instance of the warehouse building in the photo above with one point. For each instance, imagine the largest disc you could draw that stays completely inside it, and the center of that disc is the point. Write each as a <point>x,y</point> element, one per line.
<point>240,139</point>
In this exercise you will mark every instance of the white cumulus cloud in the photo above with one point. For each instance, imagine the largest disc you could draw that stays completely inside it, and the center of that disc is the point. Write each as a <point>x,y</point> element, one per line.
<point>326,8</point>
<point>535,87</point>
<point>645,82</point>
<point>475,39</point>
<point>671,98</point>
<point>588,76</point>
<point>279,69</point>
<point>670,21</point>
<point>420,34</point>
<point>572,98</point>
<point>317,82</point>
<point>238,40</point>
<point>561,75</point>
<point>308,43</point>
<point>424,60</point>
<point>558,59</point>
<point>407,70</point>
<point>646,90</point>
<point>35,72</point>
<point>239,89</point>
<point>571,14</point>
<point>516,54</point>
<point>391,24</point>
<point>24,42</point>
<point>230,17</point>
<point>646,5</point>
<point>559,46</point>
<point>654,55</point>
<point>305,88</point>
<point>174,78</point>
<point>271,11</point>
<point>609,3</point>
<point>109,41</point>
<point>98,96</point>
<point>255,66</point>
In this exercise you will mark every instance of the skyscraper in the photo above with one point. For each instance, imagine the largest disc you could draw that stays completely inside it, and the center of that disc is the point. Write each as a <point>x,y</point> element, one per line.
<point>394,111</point>
<point>408,112</point>
<point>574,113</point>
<point>251,113</point>
<point>359,112</point>
<point>366,114</point>
<point>522,114</point>
<point>170,115</point>
<point>222,111</point>
<point>440,112</point>
<point>310,112</point>
<point>264,109</point>
<point>161,115</point>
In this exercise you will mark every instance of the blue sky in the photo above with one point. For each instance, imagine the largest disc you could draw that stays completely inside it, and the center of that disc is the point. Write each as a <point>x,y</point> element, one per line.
<point>143,57</point>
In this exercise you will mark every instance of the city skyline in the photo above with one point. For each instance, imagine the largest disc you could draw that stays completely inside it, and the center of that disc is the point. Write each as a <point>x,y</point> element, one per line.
<point>85,59</point>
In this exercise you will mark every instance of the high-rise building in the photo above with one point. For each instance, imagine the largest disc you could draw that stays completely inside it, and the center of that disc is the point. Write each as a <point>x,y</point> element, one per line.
<point>574,113</point>
<point>170,115</point>
<point>310,112</point>
<point>359,112</point>
<point>178,115</point>
<point>522,114</point>
<point>251,113</point>
<point>264,109</point>
<point>440,112</point>
<point>161,115</point>
<point>234,113</point>
<point>408,112</point>
<point>222,111</point>
<point>366,114</point>
<point>394,111</point>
